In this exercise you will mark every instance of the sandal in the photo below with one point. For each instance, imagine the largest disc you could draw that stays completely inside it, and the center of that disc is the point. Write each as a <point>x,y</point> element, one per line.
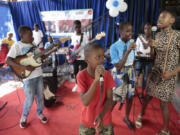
<point>138,122</point>
<point>164,132</point>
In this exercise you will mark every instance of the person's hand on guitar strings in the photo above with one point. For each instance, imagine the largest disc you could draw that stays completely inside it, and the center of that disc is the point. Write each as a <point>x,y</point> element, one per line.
<point>69,49</point>
<point>55,48</point>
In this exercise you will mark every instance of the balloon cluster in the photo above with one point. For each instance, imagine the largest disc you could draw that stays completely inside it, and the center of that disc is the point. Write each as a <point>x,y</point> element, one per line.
<point>116,6</point>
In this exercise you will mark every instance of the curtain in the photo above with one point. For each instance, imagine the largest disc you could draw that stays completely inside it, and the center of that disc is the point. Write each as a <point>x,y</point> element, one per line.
<point>139,12</point>
<point>26,13</point>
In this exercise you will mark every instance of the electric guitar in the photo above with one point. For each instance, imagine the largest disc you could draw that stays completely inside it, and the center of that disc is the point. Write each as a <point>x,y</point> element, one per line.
<point>71,56</point>
<point>32,59</point>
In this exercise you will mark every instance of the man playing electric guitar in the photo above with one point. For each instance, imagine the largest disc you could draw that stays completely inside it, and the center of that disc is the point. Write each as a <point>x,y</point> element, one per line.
<point>78,40</point>
<point>29,57</point>
<point>33,84</point>
<point>19,58</point>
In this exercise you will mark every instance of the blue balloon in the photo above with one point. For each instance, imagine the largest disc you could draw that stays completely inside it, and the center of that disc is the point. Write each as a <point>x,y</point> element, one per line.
<point>115,3</point>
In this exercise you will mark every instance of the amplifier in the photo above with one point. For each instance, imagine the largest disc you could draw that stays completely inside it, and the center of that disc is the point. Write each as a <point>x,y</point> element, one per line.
<point>50,78</point>
<point>47,74</point>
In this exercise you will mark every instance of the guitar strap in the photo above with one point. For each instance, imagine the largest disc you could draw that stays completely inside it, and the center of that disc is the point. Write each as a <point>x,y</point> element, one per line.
<point>33,48</point>
<point>82,35</point>
<point>30,49</point>
<point>81,39</point>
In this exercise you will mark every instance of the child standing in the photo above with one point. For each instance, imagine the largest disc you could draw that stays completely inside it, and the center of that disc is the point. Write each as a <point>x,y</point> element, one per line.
<point>9,40</point>
<point>89,88</point>
<point>163,90</point>
<point>144,60</point>
<point>53,55</point>
<point>122,56</point>
<point>79,40</point>
<point>38,36</point>
<point>33,84</point>
<point>5,46</point>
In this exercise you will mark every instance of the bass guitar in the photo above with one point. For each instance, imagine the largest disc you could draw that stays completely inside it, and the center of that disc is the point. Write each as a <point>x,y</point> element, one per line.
<point>32,59</point>
<point>71,56</point>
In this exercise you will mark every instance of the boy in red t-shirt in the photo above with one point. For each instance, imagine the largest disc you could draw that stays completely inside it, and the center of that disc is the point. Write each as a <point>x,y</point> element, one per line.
<point>92,120</point>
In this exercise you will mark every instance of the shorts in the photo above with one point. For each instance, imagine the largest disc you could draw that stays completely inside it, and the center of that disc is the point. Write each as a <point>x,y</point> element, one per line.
<point>107,130</point>
<point>124,83</point>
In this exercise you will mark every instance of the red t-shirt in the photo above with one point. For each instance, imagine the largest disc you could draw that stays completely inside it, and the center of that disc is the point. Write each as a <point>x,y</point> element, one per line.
<point>90,112</point>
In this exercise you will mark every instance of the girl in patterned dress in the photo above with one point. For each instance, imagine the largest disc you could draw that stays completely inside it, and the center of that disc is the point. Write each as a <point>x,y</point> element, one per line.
<point>165,89</point>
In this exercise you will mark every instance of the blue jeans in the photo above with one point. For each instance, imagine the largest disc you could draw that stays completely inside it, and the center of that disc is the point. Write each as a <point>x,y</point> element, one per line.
<point>33,88</point>
<point>146,67</point>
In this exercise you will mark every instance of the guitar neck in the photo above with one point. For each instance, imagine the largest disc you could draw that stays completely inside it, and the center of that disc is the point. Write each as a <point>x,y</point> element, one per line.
<point>81,47</point>
<point>47,50</point>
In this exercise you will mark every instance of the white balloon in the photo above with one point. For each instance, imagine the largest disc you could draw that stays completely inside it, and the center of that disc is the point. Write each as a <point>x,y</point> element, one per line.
<point>123,7</point>
<point>121,1</point>
<point>113,12</point>
<point>120,4</point>
<point>114,7</point>
<point>108,4</point>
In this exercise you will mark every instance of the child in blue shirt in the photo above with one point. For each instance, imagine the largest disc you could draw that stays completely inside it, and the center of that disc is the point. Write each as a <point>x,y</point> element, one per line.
<point>122,56</point>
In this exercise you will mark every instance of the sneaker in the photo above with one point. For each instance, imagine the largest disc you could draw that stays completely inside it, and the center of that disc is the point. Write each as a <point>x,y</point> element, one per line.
<point>75,88</point>
<point>23,123</point>
<point>43,118</point>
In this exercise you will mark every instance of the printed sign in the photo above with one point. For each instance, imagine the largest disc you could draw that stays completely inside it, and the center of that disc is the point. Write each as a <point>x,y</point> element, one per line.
<point>60,23</point>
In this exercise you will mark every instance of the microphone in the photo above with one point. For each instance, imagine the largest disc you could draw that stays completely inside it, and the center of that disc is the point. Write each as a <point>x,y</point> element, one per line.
<point>154,29</point>
<point>117,25</point>
<point>101,80</point>
<point>132,41</point>
<point>101,83</point>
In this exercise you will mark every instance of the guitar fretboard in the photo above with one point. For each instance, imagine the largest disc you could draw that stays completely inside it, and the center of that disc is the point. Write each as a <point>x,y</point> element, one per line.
<point>44,51</point>
<point>81,47</point>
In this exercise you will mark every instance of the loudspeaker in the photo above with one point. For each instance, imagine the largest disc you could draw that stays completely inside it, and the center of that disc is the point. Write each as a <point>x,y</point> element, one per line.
<point>50,78</point>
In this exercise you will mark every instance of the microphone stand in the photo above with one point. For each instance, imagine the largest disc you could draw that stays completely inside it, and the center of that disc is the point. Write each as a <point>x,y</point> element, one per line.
<point>101,91</point>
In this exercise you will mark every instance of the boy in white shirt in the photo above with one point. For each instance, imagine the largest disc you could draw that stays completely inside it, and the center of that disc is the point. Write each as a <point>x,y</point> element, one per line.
<point>79,40</point>
<point>38,36</point>
<point>33,84</point>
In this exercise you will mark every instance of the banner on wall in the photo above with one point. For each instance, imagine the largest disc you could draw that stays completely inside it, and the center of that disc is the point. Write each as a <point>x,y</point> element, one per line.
<point>60,23</point>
